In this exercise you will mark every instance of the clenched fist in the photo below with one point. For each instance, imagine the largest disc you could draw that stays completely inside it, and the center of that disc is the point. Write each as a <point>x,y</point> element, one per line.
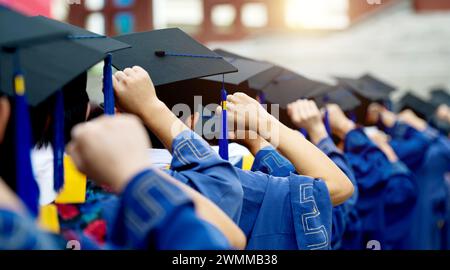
<point>339,123</point>
<point>305,114</point>
<point>134,90</point>
<point>110,150</point>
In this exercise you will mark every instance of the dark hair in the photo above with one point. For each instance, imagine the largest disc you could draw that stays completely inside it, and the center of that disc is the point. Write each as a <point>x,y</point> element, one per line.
<point>75,106</point>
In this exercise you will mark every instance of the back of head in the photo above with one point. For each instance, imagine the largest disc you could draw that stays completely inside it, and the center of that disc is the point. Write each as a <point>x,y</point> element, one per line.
<point>76,102</point>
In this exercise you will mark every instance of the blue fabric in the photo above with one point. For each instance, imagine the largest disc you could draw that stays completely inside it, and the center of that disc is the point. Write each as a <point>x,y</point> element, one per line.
<point>400,206</point>
<point>342,213</point>
<point>371,168</point>
<point>108,90</point>
<point>27,187</point>
<point>409,144</point>
<point>223,140</point>
<point>196,164</point>
<point>270,161</point>
<point>20,233</point>
<point>428,156</point>
<point>285,213</point>
<point>387,193</point>
<point>156,214</point>
<point>58,142</point>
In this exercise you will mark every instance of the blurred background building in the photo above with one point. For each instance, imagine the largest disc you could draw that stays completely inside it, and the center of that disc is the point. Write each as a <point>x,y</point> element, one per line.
<point>406,42</point>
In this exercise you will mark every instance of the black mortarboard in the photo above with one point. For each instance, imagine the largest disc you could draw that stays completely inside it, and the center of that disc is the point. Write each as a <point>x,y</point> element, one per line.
<point>377,84</point>
<point>47,67</point>
<point>84,37</point>
<point>169,56</point>
<point>440,96</point>
<point>363,89</point>
<point>422,108</point>
<point>172,57</point>
<point>28,58</point>
<point>247,69</point>
<point>98,43</point>
<point>18,30</point>
<point>289,87</point>
<point>229,54</point>
<point>338,95</point>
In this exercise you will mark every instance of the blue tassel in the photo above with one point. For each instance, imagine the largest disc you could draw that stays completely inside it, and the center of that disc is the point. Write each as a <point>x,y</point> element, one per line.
<point>27,187</point>
<point>58,143</point>
<point>352,116</point>
<point>262,97</point>
<point>326,121</point>
<point>304,132</point>
<point>223,140</point>
<point>108,91</point>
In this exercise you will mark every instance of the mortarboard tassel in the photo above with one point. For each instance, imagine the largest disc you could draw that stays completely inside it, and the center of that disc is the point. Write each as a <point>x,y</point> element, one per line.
<point>223,139</point>
<point>262,97</point>
<point>352,116</point>
<point>27,188</point>
<point>58,142</point>
<point>304,132</point>
<point>108,91</point>
<point>326,121</point>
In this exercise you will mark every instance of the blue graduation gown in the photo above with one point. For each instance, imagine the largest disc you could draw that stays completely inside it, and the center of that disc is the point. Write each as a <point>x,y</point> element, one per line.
<point>19,232</point>
<point>196,164</point>
<point>285,213</point>
<point>431,151</point>
<point>270,161</point>
<point>155,214</point>
<point>386,192</point>
<point>152,214</point>
<point>400,205</point>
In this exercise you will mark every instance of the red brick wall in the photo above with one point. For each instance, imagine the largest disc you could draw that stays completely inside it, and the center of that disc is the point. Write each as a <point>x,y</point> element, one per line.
<point>431,5</point>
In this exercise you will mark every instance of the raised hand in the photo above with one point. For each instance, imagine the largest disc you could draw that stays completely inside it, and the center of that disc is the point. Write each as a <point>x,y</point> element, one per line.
<point>134,90</point>
<point>339,123</point>
<point>110,150</point>
<point>305,114</point>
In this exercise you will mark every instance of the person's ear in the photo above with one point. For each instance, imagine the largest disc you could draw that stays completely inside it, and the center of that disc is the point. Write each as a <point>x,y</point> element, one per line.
<point>5,112</point>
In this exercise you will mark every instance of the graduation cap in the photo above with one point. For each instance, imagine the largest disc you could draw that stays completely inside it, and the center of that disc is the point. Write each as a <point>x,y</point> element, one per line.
<point>289,87</point>
<point>422,108</point>
<point>363,89</point>
<point>338,95</point>
<point>45,68</point>
<point>377,84</point>
<point>19,59</point>
<point>98,43</point>
<point>262,79</point>
<point>440,96</point>
<point>247,69</point>
<point>18,30</point>
<point>229,54</point>
<point>103,46</point>
<point>171,57</point>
